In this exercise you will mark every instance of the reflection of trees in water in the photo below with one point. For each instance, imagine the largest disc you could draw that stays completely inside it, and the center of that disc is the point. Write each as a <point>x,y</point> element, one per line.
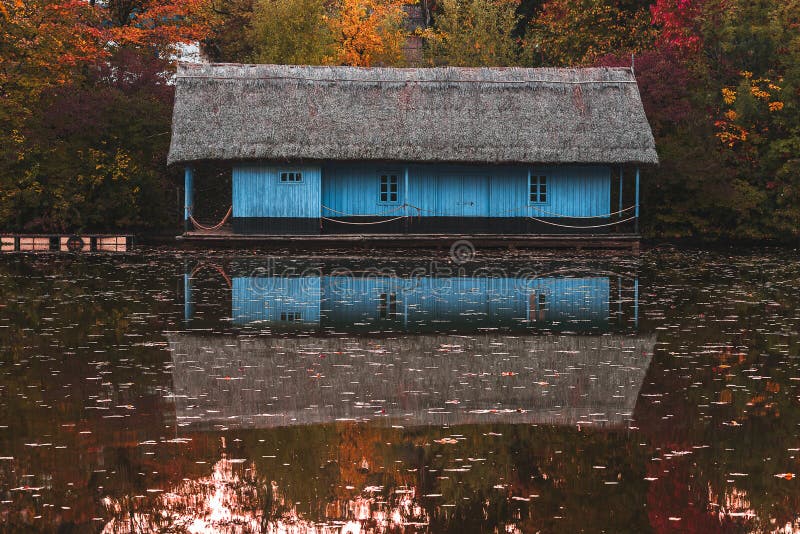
<point>719,405</point>
<point>380,479</point>
<point>234,498</point>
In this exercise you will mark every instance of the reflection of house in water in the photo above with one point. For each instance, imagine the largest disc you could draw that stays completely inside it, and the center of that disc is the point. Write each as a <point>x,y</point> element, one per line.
<point>458,350</point>
<point>421,303</point>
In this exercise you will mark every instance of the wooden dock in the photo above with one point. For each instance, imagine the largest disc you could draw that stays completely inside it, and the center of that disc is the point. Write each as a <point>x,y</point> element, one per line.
<point>65,243</point>
<point>572,241</point>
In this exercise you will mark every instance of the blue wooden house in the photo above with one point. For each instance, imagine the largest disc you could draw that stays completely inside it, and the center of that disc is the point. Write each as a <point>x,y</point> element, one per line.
<point>445,151</point>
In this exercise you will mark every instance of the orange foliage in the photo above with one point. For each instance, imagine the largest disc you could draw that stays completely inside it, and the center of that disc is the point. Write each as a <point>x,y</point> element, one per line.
<point>369,32</point>
<point>735,129</point>
<point>42,42</point>
<point>159,23</point>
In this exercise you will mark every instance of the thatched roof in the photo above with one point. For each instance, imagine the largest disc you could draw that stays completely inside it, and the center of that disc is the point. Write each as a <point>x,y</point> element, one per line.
<point>243,381</point>
<point>459,115</point>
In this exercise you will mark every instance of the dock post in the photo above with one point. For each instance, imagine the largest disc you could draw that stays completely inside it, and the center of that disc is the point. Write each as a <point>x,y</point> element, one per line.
<point>636,228</point>
<point>187,295</point>
<point>188,197</point>
<point>405,198</point>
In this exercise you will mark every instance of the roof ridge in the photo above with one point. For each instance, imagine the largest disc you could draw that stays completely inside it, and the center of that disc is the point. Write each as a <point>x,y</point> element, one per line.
<point>376,80</point>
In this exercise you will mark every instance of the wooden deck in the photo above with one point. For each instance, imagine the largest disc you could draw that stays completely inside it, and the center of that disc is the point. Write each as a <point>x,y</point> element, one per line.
<point>574,241</point>
<point>65,243</point>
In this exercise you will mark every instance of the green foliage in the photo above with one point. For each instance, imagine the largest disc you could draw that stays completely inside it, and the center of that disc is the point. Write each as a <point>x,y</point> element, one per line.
<point>755,92</point>
<point>291,32</point>
<point>93,154</point>
<point>474,33</point>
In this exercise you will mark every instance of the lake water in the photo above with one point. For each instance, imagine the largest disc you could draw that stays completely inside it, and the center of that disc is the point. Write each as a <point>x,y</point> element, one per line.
<point>246,392</point>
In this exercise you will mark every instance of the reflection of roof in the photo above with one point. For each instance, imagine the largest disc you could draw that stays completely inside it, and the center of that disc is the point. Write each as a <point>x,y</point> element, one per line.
<point>412,380</point>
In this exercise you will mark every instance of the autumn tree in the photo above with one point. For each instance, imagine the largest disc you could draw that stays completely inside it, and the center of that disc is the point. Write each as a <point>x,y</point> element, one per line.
<point>93,156</point>
<point>159,24</point>
<point>579,32</point>
<point>758,103</point>
<point>86,101</point>
<point>42,46</point>
<point>230,21</point>
<point>474,33</point>
<point>291,32</point>
<point>368,32</point>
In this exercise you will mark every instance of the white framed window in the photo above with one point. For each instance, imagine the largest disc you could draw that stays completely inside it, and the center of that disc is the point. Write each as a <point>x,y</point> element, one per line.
<point>389,187</point>
<point>291,177</point>
<point>537,188</point>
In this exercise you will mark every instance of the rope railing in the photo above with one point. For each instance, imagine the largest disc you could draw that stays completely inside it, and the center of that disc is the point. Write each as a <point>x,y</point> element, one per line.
<point>419,210</point>
<point>365,223</point>
<point>214,266</point>
<point>582,227</point>
<point>384,214</point>
<point>514,210</point>
<point>217,226</point>
<point>602,216</point>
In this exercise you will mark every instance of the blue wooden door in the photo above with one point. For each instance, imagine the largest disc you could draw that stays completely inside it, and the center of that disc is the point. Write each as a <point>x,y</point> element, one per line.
<point>462,195</point>
<point>448,195</point>
<point>475,196</point>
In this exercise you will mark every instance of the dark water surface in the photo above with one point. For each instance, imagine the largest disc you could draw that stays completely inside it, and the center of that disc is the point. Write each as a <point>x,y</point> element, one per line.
<point>182,392</point>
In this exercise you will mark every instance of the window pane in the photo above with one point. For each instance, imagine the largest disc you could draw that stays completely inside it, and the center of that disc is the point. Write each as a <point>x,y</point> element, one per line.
<point>394,188</point>
<point>383,197</point>
<point>543,197</point>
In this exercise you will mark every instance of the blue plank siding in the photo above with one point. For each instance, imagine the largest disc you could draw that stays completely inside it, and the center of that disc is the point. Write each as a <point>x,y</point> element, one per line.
<point>276,299</point>
<point>577,191</point>
<point>355,190</point>
<point>467,191</point>
<point>258,192</point>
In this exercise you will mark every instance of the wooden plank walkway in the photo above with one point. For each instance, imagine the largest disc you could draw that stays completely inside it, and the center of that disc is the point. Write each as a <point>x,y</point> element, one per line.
<point>574,241</point>
<point>65,243</point>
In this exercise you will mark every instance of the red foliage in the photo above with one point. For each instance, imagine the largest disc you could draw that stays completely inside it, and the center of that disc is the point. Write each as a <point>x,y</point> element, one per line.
<point>678,20</point>
<point>664,82</point>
